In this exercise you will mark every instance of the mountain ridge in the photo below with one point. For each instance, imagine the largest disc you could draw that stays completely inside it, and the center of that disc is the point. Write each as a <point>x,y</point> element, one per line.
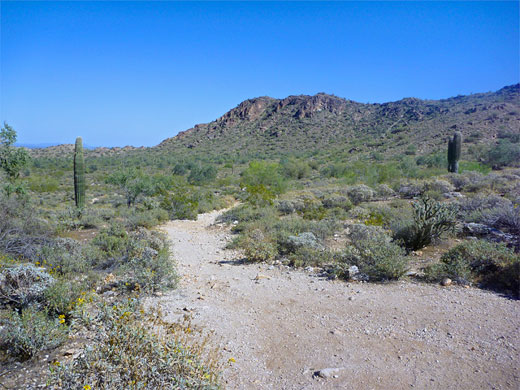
<point>326,118</point>
<point>313,122</point>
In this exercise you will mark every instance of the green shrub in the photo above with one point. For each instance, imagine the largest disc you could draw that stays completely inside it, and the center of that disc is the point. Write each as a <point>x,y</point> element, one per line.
<point>503,154</point>
<point>24,335</point>
<point>337,201</point>
<point>180,205</point>
<point>307,256</point>
<point>379,259</point>
<point>150,271</point>
<point>263,180</point>
<point>257,247</point>
<point>201,174</point>
<point>65,256</point>
<point>360,193</point>
<point>490,264</point>
<point>294,169</point>
<point>62,295</point>
<point>113,242</point>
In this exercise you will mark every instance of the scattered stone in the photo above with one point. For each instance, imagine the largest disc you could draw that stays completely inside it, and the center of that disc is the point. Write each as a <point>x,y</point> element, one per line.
<point>260,276</point>
<point>328,372</point>
<point>446,282</point>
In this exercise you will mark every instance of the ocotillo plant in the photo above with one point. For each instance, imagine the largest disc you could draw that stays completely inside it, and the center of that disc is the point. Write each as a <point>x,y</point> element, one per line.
<point>79,174</point>
<point>454,146</point>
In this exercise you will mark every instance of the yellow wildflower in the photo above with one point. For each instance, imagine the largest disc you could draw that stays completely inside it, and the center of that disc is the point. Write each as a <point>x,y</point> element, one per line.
<point>87,387</point>
<point>231,360</point>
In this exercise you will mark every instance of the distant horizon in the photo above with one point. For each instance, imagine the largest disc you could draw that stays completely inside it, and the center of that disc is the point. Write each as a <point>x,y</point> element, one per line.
<point>136,73</point>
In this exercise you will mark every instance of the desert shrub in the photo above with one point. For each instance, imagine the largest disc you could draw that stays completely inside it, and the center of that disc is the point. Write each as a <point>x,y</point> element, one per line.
<point>434,160</point>
<point>246,213</point>
<point>360,193</point>
<point>291,244</point>
<point>363,232</point>
<point>466,166</point>
<point>285,207</point>
<point>337,201</point>
<point>441,186</point>
<point>359,212</point>
<point>506,218</point>
<point>64,256</point>
<point>61,297</point>
<point>307,256</point>
<point>180,205</point>
<point>294,169</point>
<point>378,259</point>
<point>72,218</point>
<point>457,180</point>
<point>43,184</point>
<point>383,191</point>
<point>134,184</point>
<point>150,271</point>
<point>503,154</point>
<point>201,174</point>
<point>129,353</point>
<point>482,202</point>
<point>261,174</point>
<point>25,334</point>
<point>490,264</point>
<point>22,231</point>
<point>476,182</point>
<point>312,209</point>
<point>144,218</point>
<point>113,242</point>
<point>24,284</point>
<point>431,219</point>
<point>410,190</point>
<point>259,250</point>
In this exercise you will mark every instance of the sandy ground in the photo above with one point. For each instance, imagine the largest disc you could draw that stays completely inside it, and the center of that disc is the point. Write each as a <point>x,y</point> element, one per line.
<point>282,326</point>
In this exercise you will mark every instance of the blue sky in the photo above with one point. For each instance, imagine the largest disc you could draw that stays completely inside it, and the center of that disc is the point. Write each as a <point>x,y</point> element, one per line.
<point>134,73</point>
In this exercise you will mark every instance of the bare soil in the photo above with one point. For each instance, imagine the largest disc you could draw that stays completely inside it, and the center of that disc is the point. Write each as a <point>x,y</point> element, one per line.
<point>282,326</point>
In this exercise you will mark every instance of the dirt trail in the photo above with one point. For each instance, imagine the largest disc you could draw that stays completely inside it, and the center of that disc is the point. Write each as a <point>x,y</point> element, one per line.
<point>281,325</point>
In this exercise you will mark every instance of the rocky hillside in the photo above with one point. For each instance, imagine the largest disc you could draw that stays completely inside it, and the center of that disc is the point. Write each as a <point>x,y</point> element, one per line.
<point>264,125</point>
<point>304,122</point>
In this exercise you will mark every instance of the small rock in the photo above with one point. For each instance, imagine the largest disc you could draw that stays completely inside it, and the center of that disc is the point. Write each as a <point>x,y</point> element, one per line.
<point>446,282</point>
<point>328,372</point>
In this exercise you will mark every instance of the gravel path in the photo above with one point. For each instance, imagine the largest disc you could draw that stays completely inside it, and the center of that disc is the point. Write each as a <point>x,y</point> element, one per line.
<point>282,326</point>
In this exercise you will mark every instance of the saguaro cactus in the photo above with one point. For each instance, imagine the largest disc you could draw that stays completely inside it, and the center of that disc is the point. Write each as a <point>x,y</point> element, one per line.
<point>454,146</point>
<point>79,174</point>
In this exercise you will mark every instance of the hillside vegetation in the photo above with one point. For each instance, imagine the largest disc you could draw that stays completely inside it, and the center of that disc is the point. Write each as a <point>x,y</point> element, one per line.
<point>360,192</point>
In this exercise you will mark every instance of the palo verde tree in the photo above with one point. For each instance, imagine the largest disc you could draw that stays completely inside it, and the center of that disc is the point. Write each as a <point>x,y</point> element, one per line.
<point>79,174</point>
<point>12,160</point>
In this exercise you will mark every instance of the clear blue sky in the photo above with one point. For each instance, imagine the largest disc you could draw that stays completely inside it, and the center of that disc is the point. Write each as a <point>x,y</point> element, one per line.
<point>134,73</point>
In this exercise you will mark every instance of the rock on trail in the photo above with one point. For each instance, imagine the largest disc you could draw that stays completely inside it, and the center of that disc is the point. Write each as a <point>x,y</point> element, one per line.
<point>284,327</point>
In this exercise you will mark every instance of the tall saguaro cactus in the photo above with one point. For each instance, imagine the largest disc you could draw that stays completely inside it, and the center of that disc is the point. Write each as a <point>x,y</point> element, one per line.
<point>454,146</point>
<point>79,174</point>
